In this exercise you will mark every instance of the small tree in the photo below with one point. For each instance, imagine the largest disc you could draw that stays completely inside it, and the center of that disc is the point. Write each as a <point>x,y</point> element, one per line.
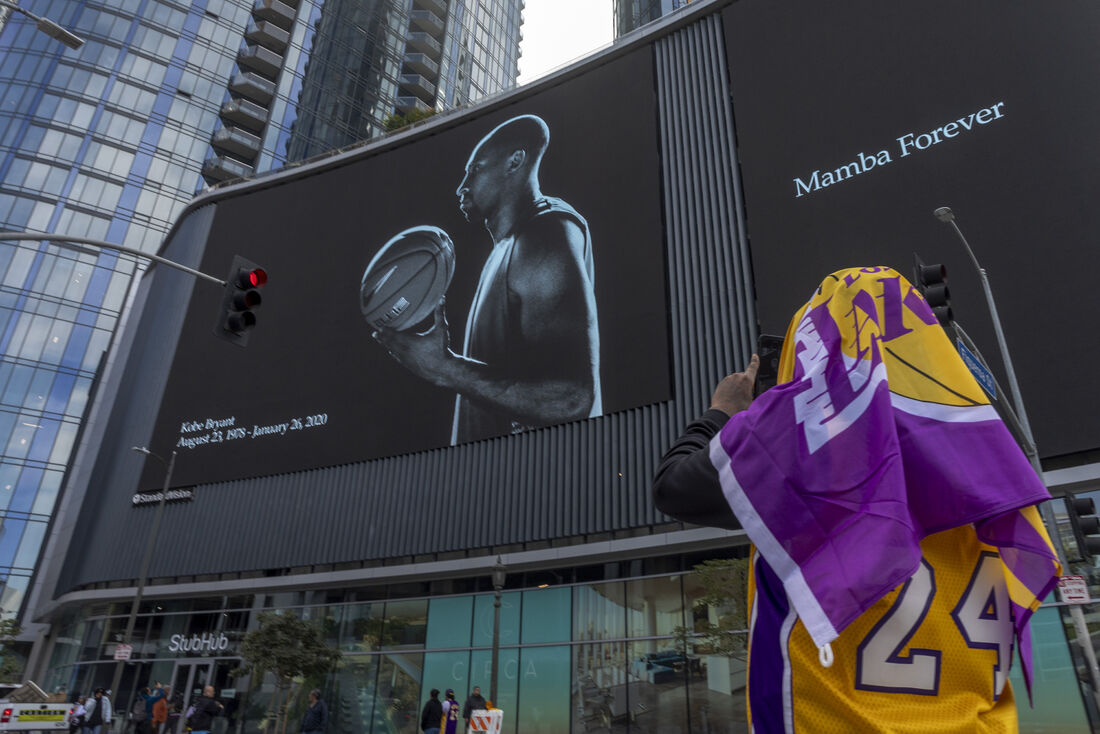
<point>288,648</point>
<point>720,614</point>
<point>11,667</point>
<point>396,121</point>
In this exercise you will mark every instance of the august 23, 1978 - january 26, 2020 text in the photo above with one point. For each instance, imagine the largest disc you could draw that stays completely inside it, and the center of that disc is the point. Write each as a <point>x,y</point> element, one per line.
<point>208,431</point>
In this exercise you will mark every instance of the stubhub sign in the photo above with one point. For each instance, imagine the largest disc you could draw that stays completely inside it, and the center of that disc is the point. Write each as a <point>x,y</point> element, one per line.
<point>206,642</point>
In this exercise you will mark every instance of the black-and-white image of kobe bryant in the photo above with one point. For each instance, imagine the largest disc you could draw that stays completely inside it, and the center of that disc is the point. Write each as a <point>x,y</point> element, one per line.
<point>530,354</point>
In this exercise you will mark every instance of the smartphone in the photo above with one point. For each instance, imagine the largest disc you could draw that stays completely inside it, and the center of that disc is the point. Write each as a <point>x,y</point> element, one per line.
<point>768,348</point>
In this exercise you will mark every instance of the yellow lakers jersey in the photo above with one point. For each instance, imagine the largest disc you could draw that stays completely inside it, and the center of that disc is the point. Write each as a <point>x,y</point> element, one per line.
<point>931,656</point>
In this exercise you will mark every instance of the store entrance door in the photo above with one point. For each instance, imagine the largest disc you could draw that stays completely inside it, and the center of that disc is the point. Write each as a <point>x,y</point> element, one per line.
<point>188,681</point>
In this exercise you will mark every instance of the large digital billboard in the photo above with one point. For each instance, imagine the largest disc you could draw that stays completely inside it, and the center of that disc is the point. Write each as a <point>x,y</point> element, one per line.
<point>549,210</point>
<point>856,120</point>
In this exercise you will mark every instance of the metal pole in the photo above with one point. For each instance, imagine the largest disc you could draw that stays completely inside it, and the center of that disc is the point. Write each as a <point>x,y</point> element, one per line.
<point>145,563</point>
<point>1084,641</point>
<point>62,238</point>
<point>498,585</point>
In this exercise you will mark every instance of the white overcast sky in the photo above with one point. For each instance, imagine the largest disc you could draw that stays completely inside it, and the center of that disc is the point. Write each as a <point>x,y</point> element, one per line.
<point>556,32</point>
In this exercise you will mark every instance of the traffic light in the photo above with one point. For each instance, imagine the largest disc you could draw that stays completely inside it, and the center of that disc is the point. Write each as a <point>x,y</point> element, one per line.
<point>931,281</point>
<point>1086,525</point>
<point>239,299</point>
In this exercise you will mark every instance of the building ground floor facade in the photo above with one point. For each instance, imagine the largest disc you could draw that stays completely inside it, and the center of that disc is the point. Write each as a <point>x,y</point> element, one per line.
<point>599,641</point>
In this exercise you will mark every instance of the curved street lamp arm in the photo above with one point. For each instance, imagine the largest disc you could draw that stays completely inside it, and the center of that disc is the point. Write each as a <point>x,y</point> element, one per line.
<point>62,238</point>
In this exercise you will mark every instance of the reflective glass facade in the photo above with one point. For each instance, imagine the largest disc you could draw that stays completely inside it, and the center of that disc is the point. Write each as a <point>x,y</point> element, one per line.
<point>103,142</point>
<point>612,653</point>
<point>605,655</point>
<point>109,142</point>
<point>313,76</point>
<point>633,14</point>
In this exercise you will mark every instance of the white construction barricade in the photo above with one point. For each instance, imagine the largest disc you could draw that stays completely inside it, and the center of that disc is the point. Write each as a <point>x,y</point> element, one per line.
<point>490,721</point>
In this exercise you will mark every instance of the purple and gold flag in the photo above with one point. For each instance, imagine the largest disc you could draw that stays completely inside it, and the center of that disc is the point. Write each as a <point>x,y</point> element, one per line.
<point>877,437</point>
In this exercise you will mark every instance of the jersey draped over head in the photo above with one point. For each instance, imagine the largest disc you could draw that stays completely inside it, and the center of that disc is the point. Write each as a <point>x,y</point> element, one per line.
<point>878,437</point>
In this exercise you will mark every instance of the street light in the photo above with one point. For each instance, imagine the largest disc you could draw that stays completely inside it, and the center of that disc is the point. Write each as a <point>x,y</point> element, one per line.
<point>498,585</point>
<point>129,634</point>
<point>1084,638</point>
<point>47,26</point>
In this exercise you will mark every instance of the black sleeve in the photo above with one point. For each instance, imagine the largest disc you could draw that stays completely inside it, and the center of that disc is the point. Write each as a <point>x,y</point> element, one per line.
<point>686,485</point>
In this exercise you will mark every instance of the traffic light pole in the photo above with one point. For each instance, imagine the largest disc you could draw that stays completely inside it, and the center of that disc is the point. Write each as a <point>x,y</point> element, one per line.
<point>150,546</point>
<point>1084,641</point>
<point>62,238</point>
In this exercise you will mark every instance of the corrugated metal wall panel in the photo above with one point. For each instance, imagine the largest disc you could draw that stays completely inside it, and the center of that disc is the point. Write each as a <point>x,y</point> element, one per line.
<point>577,479</point>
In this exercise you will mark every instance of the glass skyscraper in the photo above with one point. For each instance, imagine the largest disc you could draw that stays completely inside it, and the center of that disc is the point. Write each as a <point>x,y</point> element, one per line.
<point>110,141</point>
<point>632,14</point>
<point>327,74</point>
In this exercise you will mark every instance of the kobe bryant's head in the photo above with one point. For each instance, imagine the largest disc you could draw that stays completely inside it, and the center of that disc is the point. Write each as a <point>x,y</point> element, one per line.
<point>504,166</point>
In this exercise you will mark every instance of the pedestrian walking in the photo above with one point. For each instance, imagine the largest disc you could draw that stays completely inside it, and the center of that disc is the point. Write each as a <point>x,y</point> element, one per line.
<point>160,711</point>
<point>315,719</point>
<point>139,717</point>
<point>98,712</point>
<point>149,699</point>
<point>206,708</point>
<point>76,722</point>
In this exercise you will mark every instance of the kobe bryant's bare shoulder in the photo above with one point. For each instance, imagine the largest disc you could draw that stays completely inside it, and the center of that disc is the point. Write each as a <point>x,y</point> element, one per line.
<point>550,230</point>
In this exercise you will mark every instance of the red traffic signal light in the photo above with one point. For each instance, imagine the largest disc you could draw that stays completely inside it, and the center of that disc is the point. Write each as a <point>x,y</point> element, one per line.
<point>256,277</point>
<point>240,296</point>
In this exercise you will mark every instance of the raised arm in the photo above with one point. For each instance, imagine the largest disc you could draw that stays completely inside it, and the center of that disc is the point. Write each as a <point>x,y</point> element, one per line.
<point>686,484</point>
<point>553,365</point>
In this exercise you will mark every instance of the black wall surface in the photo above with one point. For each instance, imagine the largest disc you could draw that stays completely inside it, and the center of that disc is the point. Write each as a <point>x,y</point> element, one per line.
<point>574,479</point>
<point>311,370</point>
<point>817,86</point>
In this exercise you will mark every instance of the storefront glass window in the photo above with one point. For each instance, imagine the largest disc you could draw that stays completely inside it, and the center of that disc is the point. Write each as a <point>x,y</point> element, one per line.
<point>161,631</point>
<point>599,685</point>
<point>406,624</point>
<point>1057,684</point>
<point>655,606</point>
<point>93,637</point>
<point>717,690</point>
<point>599,611</point>
<point>546,615</point>
<point>449,623</point>
<point>356,686</point>
<point>658,677</point>
<point>543,706</point>
<point>509,619</point>
<point>398,691</point>
<point>360,627</point>
<point>445,670</point>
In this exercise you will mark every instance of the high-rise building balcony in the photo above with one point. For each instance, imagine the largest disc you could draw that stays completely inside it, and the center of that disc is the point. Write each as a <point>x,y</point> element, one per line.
<point>439,7</point>
<point>275,11</point>
<point>407,104</point>
<point>267,34</point>
<point>422,64</point>
<point>223,168</point>
<point>419,86</point>
<point>424,43</point>
<point>253,86</point>
<point>237,141</point>
<point>244,113</point>
<point>427,21</point>
<point>260,59</point>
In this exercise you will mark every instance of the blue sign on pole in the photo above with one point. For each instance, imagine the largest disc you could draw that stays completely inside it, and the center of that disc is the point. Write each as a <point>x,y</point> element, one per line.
<point>980,372</point>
